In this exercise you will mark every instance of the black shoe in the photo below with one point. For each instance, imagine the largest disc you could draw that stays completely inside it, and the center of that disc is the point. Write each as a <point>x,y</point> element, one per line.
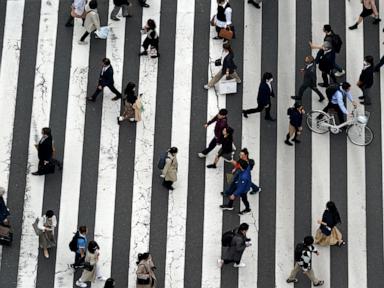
<point>217,38</point>
<point>365,103</point>
<point>254,192</point>
<point>156,56</point>
<point>269,119</point>
<point>245,114</point>
<point>295,97</point>
<point>118,120</point>
<point>91,99</point>
<point>226,207</point>
<point>116,98</point>
<point>296,140</point>
<point>143,53</point>
<point>361,97</point>
<point>353,27</point>
<point>211,166</point>
<point>115,19</point>
<point>321,99</point>
<point>245,211</point>
<point>294,280</point>
<point>145,5</point>
<point>37,173</point>
<point>323,85</point>
<point>288,142</point>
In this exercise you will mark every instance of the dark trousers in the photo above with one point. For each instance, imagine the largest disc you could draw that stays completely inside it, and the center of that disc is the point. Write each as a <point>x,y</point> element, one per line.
<point>335,107</point>
<point>244,198</point>
<point>210,147</point>
<point>366,95</point>
<point>79,261</point>
<point>142,2</point>
<point>260,108</point>
<point>167,184</point>
<point>111,87</point>
<point>85,35</point>
<point>324,75</point>
<point>153,42</point>
<point>304,87</point>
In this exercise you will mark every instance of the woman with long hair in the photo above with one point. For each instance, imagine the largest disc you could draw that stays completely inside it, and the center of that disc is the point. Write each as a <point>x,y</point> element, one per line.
<point>327,233</point>
<point>145,276</point>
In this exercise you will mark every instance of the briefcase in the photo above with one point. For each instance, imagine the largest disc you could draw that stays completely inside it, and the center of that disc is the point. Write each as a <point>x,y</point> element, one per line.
<point>6,235</point>
<point>225,86</point>
<point>226,33</point>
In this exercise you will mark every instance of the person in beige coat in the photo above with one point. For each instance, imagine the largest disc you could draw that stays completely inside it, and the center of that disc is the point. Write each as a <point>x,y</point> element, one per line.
<point>132,105</point>
<point>92,20</point>
<point>146,278</point>
<point>169,172</point>
<point>91,270</point>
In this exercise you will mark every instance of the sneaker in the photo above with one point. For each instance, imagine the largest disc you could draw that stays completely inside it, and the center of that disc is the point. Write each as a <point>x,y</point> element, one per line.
<point>226,207</point>
<point>244,212</point>
<point>245,114</point>
<point>254,192</point>
<point>353,27</point>
<point>321,282</point>
<point>145,5</point>
<point>220,263</point>
<point>115,19</point>
<point>201,155</point>
<point>240,265</point>
<point>211,166</point>
<point>288,142</point>
<point>339,74</point>
<point>294,280</point>
<point>80,284</point>
<point>206,86</point>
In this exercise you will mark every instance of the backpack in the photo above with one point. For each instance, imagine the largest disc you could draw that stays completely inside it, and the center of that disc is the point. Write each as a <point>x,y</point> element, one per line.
<point>73,243</point>
<point>331,90</point>
<point>336,43</point>
<point>299,251</point>
<point>290,110</point>
<point>227,237</point>
<point>162,160</point>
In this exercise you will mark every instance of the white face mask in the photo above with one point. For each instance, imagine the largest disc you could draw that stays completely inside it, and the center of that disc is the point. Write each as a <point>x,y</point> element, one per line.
<point>270,80</point>
<point>365,64</point>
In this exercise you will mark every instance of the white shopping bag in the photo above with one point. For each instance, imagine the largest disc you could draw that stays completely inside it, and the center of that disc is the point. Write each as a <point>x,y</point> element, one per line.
<point>226,86</point>
<point>103,32</point>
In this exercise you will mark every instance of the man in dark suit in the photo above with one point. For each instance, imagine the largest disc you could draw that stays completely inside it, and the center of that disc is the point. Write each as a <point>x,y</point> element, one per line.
<point>326,60</point>
<point>309,80</point>
<point>44,152</point>
<point>366,80</point>
<point>263,98</point>
<point>106,79</point>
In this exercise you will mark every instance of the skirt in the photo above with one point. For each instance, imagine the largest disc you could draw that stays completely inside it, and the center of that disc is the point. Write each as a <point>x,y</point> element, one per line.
<point>324,240</point>
<point>47,240</point>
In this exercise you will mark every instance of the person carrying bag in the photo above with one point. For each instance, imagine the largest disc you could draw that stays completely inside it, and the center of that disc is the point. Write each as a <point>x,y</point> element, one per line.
<point>145,276</point>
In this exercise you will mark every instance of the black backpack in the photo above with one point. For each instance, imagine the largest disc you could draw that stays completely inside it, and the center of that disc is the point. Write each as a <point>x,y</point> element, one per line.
<point>336,43</point>
<point>331,90</point>
<point>227,237</point>
<point>73,243</point>
<point>299,251</point>
<point>162,160</point>
<point>290,110</point>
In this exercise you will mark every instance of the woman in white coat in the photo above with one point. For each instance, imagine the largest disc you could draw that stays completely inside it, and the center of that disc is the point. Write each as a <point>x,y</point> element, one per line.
<point>47,224</point>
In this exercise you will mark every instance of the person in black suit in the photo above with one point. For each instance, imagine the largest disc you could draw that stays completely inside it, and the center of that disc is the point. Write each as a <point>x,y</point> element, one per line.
<point>263,98</point>
<point>44,151</point>
<point>366,80</point>
<point>326,60</point>
<point>106,79</point>
<point>309,80</point>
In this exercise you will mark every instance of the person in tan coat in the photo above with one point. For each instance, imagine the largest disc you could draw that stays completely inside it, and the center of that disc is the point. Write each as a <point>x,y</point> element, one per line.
<point>169,172</point>
<point>146,278</point>
<point>92,20</point>
<point>132,105</point>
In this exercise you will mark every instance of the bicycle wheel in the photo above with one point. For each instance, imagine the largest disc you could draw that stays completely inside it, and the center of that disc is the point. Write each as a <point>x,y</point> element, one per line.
<point>316,120</point>
<point>360,134</point>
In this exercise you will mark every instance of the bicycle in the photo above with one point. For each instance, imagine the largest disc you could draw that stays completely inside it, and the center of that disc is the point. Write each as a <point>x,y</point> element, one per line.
<point>357,130</point>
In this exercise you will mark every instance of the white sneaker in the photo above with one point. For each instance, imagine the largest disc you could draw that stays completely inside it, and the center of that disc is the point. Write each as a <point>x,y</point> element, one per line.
<point>206,86</point>
<point>339,74</point>
<point>81,284</point>
<point>82,43</point>
<point>220,263</point>
<point>240,265</point>
<point>201,155</point>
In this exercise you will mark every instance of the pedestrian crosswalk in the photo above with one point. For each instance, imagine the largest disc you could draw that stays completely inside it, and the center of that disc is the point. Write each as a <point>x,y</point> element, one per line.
<point>110,181</point>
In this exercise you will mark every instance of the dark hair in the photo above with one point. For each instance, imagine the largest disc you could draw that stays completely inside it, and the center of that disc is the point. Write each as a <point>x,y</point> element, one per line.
<point>267,76</point>
<point>93,4</point>
<point>245,151</point>
<point>298,105</point>
<point>310,57</point>
<point>227,46</point>
<point>82,229</point>
<point>229,130</point>
<point>93,246</point>
<point>334,212</point>
<point>173,150</point>
<point>345,85</point>
<point>243,227</point>
<point>223,112</point>
<point>109,283</point>
<point>129,88</point>
<point>243,164</point>
<point>327,28</point>
<point>106,61</point>
<point>49,213</point>
<point>369,59</point>
<point>308,240</point>
<point>142,256</point>
<point>46,131</point>
<point>151,24</point>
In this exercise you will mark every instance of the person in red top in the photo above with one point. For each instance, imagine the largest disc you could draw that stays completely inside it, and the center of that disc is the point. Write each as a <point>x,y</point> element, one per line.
<point>221,123</point>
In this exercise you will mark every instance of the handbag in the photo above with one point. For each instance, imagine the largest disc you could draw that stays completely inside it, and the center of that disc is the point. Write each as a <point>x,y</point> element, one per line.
<point>103,32</point>
<point>145,281</point>
<point>218,62</point>
<point>226,33</point>
<point>88,266</point>
<point>213,20</point>
<point>38,231</point>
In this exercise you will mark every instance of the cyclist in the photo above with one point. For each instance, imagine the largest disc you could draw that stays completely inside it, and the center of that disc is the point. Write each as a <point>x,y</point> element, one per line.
<point>336,101</point>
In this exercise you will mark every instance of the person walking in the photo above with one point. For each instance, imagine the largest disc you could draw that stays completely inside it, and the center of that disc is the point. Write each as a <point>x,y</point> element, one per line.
<point>92,20</point>
<point>295,119</point>
<point>337,101</point>
<point>105,80</point>
<point>263,98</point>
<point>369,9</point>
<point>143,3</point>
<point>152,39</point>
<point>124,5</point>
<point>221,123</point>
<point>223,17</point>
<point>366,80</point>
<point>241,186</point>
<point>255,3</point>
<point>77,11</point>
<point>81,242</point>
<point>4,211</point>
<point>309,80</point>
<point>228,67</point>
<point>91,270</point>
<point>327,233</point>
<point>303,262</point>
<point>169,172</point>
<point>235,251</point>
<point>47,224</point>
<point>132,105</point>
<point>326,60</point>
<point>146,277</point>
<point>110,283</point>
<point>336,43</point>
<point>44,153</point>
<point>227,147</point>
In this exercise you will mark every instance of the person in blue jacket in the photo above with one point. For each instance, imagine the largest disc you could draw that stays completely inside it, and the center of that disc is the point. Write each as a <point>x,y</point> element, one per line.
<point>240,186</point>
